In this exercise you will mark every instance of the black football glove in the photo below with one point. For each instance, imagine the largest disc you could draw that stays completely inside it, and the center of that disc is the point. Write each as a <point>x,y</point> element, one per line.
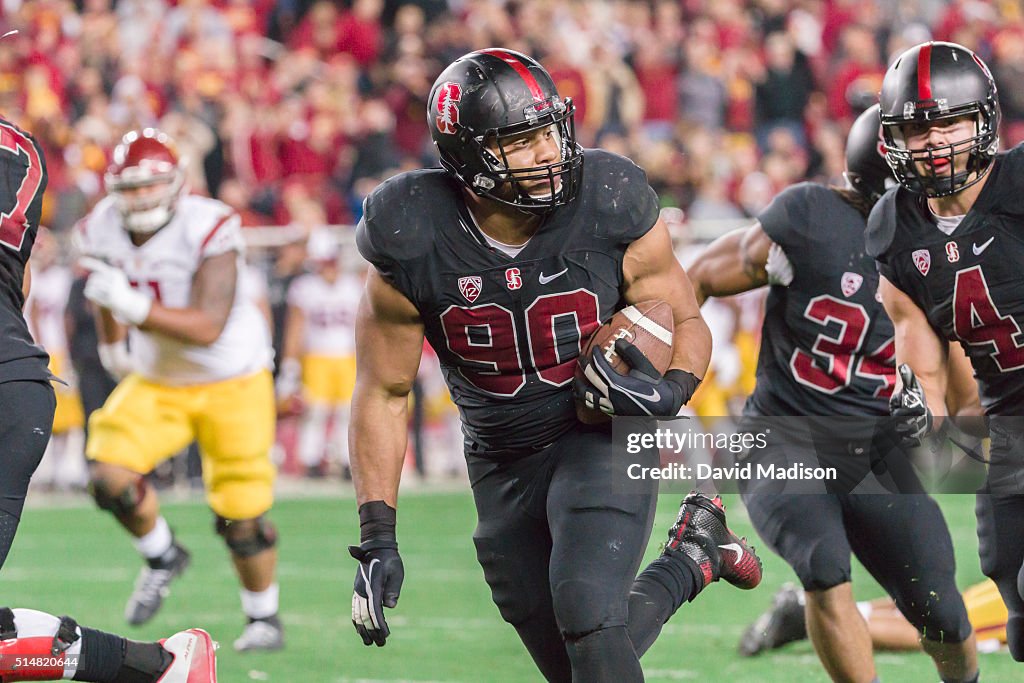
<point>378,583</point>
<point>380,573</point>
<point>642,392</point>
<point>909,407</point>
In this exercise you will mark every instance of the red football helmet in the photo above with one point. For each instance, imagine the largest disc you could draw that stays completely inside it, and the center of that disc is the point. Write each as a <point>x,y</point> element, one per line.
<point>146,179</point>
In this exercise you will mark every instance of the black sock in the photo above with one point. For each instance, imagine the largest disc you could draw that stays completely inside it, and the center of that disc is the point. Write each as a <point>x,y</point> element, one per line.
<point>167,558</point>
<point>143,663</point>
<point>657,593</point>
<point>678,574</point>
<point>101,656</point>
<point>107,658</point>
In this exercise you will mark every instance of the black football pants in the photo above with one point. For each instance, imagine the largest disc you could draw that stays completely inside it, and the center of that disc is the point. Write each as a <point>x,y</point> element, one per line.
<point>901,538</point>
<point>26,419</point>
<point>1000,511</point>
<point>560,537</point>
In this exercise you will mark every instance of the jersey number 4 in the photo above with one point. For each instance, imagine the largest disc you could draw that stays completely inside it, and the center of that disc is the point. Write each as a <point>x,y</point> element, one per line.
<point>837,360</point>
<point>978,322</point>
<point>13,219</point>
<point>487,339</point>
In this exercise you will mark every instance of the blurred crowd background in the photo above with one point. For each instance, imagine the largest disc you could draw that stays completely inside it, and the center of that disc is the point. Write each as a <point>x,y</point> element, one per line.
<point>291,111</point>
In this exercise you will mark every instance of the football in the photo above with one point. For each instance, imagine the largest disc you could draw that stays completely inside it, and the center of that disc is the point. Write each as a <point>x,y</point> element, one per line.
<point>648,325</point>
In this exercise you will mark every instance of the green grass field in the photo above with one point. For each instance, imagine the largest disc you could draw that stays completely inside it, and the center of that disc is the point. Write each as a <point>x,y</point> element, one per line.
<point>74,560</point>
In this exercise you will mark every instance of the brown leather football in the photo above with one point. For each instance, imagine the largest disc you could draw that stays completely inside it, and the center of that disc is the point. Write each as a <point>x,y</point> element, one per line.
<point>648,325</point>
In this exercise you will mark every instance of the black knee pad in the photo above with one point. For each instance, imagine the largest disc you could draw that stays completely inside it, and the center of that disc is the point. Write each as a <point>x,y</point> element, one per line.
<point>820,567</point>
<point>584,606</point>
<point>247,537</point>
<point>604,656</point>
<point>940,621</point>
<point>122,503</point>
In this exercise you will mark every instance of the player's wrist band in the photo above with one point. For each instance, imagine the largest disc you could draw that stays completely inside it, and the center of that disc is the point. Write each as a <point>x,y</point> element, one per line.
<point>687,382</point>
<point>376,521</point>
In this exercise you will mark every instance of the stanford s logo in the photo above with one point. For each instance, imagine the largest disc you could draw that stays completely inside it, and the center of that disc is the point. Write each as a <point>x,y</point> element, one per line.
<point>952,252</point>
<point>850,283</point>
<point>513,278</point>
<point>470,287</point>
<point>923,260</point>
<point>448,97</point>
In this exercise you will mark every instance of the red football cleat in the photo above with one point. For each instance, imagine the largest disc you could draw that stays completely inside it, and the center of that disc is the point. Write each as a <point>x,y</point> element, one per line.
<point>700,531</point>
<point>195,657</point>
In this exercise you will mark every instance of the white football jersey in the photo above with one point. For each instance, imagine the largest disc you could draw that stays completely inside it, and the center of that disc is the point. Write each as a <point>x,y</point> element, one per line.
<point>165,266</point>
<point>330,311</point>
<point>45,306</point>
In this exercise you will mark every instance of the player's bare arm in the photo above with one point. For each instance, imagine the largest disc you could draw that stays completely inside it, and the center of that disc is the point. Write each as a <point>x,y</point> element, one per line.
<point>389,341</point>
<point>962,398</point>
<point>650,271</point>
<point>917,345</point>
<point>733,263</point>
<point>213,293</point>
<point>294,331</point>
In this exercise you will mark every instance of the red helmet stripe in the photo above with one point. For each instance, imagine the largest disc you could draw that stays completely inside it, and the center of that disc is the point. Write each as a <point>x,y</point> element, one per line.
<point>924,73</point>
<point>520,69</point>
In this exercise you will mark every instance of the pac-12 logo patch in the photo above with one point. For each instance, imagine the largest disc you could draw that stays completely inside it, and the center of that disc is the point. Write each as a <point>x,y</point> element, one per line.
<point>513,278</point>
<point>448,97</point>
<point>850,283</point>
<point>470,287</point>
<point>923,260</point>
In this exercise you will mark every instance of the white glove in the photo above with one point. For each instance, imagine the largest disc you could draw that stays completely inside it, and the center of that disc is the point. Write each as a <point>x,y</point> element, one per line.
<point>289,379</point>
<point>116,359</point>
<point>108,287</point>
<point>779,269</point>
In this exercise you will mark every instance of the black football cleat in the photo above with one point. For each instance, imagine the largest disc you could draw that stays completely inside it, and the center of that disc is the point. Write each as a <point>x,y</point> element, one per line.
<point>783,623</point>
<point>701,533</point>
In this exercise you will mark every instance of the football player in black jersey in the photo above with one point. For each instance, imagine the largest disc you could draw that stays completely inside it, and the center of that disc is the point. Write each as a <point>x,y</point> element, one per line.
<point>827,350</point>
<point>506,260</point>
<point>949,250</point>
<point>35,646</point>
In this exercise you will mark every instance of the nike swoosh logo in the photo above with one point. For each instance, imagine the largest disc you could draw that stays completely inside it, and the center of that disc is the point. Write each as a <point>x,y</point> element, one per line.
<point>544,279</point>
<point>653,396</point>
<point>736,548</point>
<point>977,250</point>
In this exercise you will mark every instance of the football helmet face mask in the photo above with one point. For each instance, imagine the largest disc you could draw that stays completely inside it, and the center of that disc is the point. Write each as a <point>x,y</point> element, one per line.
<point>938,82</point>
<point>487,98</point>
<point>146,179</point>
<point>866,169</point>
